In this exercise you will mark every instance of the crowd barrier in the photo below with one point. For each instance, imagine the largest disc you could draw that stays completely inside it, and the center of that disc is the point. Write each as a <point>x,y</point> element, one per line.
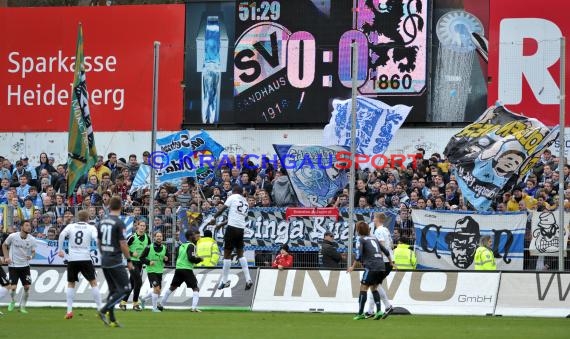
<point>336,291</point>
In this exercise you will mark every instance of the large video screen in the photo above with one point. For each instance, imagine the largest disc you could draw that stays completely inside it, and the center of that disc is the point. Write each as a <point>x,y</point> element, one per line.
<point>276,62</point>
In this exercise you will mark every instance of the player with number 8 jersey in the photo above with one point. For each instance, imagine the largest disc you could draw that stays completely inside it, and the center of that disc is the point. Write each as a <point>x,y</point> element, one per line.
<point>80,235</point>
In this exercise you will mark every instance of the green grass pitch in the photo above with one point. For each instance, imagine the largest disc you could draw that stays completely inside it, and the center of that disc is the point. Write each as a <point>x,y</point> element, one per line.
<point>44,323</point>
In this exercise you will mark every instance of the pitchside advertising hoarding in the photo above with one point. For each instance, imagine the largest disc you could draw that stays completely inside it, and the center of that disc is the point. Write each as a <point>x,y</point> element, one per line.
<point>37,59</point>
<point>454,293</point>
<point>534,294</point>
<point>49,285</point>
<point>524,57</point>
<point>271,62</point>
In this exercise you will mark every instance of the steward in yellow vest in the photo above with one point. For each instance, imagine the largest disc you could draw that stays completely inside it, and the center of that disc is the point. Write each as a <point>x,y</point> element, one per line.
<point>207,249</point>
<point>484,257</point>
<point>404,256</point>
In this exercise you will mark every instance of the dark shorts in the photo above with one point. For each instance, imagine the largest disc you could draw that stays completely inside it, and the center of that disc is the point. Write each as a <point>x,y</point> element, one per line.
<point>388,267</point>
<point>3,278</point>
<point>84,267</point>
<point>184,276</point>
<point>370,278</point>
<point>138,265</point>
<point>20,273</point>
<point>155,279</point>
<point>233,238</point>
<point>117,279</point>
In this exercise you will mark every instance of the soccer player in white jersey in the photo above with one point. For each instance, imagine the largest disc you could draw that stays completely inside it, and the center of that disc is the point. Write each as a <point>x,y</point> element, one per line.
<point>3,282</point>
<point>233,236</point>
<point>19,248</point>
<point>80,235</point>
<point>382,233</point>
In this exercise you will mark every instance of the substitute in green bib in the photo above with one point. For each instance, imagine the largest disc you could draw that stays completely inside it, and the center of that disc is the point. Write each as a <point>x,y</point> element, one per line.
<point>404,256</point>
<point>208,250</point>
<point>484,257</point>
<point>154,257</point>
<point>137,242</point>
<point>185,262</point>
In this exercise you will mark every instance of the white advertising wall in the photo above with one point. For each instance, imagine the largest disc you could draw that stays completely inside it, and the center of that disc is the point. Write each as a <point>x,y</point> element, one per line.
<point>457,293</point>
<point>534,295</point>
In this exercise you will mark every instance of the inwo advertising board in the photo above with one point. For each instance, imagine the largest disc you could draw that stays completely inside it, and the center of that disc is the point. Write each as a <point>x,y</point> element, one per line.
<point>37,59</point>
<point>454,293</point>
<point>524,57</point>
<point>285,61</point>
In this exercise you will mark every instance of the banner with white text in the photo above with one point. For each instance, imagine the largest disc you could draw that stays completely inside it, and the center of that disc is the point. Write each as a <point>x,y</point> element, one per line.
<point>268,227</point>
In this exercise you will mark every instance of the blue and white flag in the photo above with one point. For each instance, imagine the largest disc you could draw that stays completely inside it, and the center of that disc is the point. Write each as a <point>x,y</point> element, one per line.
<point>448,240</point>
<point>182,155</point>
<point>493,153</point>
<point>313,172</point>
<point>142,179</point>
<point>376,125</point>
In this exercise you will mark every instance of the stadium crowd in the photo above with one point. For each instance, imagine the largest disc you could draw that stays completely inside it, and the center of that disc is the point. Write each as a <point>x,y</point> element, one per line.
<point>37,191</point>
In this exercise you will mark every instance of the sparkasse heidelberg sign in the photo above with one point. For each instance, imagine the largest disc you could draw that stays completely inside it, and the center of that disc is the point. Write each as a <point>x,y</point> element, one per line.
<point>37,60</point>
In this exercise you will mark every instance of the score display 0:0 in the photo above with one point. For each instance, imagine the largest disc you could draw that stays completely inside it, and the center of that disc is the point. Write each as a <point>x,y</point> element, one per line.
<point>301,52</point>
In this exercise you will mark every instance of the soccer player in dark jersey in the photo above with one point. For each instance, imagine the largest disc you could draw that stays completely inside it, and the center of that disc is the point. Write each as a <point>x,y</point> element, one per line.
<point>183,272</point>
<point>369,254</point>
<point>137,242</point>
<point>154,257</point>
<point>113,246</point>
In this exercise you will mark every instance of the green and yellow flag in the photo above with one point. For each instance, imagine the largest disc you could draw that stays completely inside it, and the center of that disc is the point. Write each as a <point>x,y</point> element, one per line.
<point>82,154</point>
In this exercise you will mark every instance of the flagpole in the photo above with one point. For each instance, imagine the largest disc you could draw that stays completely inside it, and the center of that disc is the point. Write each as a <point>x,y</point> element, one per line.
<point>153,134</point>
<point>562,160</point>
<point>352,175</point>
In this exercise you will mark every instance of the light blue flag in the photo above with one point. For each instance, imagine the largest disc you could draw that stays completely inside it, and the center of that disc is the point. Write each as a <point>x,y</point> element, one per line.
<point>184,155</point>
<point>493,154</point>
<point>376,125</point>
<point>314,172</point>
<point>142,179</point>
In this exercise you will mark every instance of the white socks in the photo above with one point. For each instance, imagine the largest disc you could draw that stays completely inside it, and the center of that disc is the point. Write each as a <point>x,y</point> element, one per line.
<point>195,298</point>
<point>245,268</point>
<point>70,293</point>
<point>165,297</point>
<point>154,300</point>
<point>147,296</point>
<point>96,296</point>
<point>25,300</point>
<point>3,292</point>
<point>226,270</point>
<point>384,297</point>
<point>371,302</point>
